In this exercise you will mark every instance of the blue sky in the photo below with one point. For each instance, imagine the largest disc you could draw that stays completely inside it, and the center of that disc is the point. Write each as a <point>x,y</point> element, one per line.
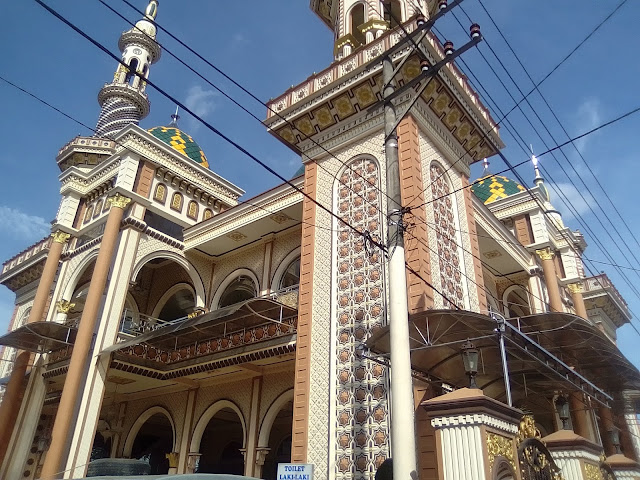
<point>269,46</point>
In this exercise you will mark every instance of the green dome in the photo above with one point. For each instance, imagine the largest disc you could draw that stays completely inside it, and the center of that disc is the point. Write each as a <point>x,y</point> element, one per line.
<point>494,187</point>
<point>181,142</point>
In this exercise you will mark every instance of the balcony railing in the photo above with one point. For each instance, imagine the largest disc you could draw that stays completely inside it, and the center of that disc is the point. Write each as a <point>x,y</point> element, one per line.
<point>134,324</point>
<point>602,283</point>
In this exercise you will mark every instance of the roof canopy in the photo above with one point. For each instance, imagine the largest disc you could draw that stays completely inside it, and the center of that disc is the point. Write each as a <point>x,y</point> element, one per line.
<point>545,352</point>
<point>221,322</point>
<point>40,337</point>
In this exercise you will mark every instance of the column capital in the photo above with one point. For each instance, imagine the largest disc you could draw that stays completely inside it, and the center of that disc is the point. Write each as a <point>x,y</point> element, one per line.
<point>577,287</point>
<point>119,201</point>
<point>60,236</point>
<point>64,306</point>
<point>261,455</point>
<point>545,254</point>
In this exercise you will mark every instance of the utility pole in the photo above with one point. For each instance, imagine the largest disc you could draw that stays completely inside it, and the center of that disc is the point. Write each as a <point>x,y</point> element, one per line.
<point>403,436</point>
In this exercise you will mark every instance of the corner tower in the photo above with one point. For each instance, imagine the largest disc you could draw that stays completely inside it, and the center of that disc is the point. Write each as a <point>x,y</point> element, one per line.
<point>124,100</point>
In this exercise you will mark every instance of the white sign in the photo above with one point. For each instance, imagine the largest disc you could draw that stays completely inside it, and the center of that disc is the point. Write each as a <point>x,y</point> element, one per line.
<point>295,471</point>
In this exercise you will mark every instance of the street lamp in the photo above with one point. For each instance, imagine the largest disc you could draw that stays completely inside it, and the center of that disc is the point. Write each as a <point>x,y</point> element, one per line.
<point>615,439</point>
<point>562,407</point>
<point>470,360</point>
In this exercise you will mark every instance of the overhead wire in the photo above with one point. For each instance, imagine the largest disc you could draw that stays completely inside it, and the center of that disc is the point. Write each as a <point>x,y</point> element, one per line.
<point>578,190</point>
<point>233,143</point>
<point>555,115</point>
<point>512,168</point>
<point>561,194</point>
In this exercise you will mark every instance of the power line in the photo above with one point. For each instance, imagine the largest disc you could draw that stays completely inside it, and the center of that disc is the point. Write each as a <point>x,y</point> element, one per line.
<point>235,102</point>
<point>556,117</point>
<point>233,143</point>
<point>575,49</point>
<point>562,233</point>
<point>561,194</point>
<point>561,151</point>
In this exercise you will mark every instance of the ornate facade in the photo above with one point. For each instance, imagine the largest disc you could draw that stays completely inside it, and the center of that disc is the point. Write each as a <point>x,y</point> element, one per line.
<point>167,322</point>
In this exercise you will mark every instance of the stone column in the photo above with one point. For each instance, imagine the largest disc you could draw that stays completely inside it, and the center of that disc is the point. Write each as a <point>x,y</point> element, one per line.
<point>106,333</point>
<point>551,279</point>
<point>84,340</point>
<point>576,290</point>
<point>580,417</point>
<point>12,396</point>
<point>254,425</point>
<point>475,434</point>
<point>187,428</point>
<point>606,421</point>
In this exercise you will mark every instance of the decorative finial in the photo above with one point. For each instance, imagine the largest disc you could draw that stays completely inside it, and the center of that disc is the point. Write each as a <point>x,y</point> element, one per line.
<point>485,171</point>
<point>174,118</point>
<point>152,10</point>
<point>534,160</point>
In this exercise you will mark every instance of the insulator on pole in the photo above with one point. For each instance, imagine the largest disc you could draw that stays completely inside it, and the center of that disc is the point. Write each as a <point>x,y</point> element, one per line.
<point>448,48</point>
<point>442,4</point>
<point>424,66</point>
<point>475,31</point>
<point>420,20</point>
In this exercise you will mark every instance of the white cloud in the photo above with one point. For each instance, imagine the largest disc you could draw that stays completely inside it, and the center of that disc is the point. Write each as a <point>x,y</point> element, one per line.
<point>21,226</point>
<point>580,205</point>
<point>587,118</point>
<point>200,101</point>
<point>239,39</point>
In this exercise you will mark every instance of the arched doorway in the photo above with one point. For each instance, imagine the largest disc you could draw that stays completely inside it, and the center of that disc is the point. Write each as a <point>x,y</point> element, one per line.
<point>275,434</point>
<point>221,444</point>
<point>153,441</point>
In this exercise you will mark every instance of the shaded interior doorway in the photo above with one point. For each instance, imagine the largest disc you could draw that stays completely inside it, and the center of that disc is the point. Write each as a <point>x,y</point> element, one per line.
<point>221,444</point>
<point>279,442</point>
<point>153,442</point>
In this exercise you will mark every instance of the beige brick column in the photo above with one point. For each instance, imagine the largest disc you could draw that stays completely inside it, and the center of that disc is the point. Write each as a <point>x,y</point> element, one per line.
<point>15,388</point>
<point>551,279</point>
<point>84,340</point>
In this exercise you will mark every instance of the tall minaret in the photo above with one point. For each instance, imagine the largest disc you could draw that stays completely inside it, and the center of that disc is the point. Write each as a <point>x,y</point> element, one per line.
<point>123,101</point>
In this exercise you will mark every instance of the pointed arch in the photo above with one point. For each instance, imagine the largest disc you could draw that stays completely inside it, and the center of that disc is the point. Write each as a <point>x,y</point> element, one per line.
<point>73,279</point>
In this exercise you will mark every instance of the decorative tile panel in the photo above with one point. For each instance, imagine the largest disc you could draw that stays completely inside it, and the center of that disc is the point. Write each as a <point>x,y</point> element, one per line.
<point>362,414</point>
<point>446,231</point>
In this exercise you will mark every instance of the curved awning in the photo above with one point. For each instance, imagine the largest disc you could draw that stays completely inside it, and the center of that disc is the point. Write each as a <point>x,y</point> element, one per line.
<point>549,351</point>
<point>40,337</point>
<point>220,322</point>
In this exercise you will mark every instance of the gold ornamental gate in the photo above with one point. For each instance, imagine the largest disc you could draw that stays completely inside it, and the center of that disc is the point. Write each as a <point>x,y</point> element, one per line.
<point>535,459</point>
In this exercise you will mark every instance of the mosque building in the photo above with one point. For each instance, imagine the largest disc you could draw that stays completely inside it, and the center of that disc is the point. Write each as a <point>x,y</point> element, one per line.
<point>166,319</point>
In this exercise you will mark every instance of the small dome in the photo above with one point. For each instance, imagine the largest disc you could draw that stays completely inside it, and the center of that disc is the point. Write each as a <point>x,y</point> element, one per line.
<point>494,187</point>
<point>181,142</point>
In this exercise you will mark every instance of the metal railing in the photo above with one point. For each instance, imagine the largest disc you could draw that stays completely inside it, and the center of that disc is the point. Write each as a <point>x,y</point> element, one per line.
<point>133,324</point>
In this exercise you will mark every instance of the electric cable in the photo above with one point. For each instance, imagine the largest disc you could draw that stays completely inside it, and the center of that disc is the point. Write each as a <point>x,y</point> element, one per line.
<point>561,151</point>
<point>227,139</point>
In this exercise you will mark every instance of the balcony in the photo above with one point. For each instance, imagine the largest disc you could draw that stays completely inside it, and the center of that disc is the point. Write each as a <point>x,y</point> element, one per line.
<point>256,328</point>
<point>602,297</point>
